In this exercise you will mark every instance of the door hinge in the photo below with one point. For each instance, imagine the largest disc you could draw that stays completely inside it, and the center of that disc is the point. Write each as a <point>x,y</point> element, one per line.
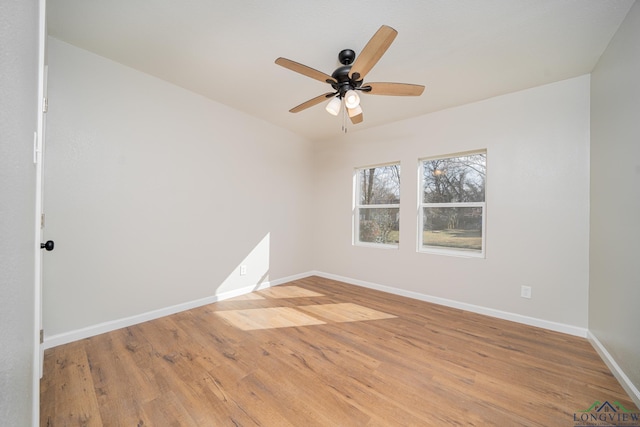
<point>41,336</point>
<point>41,220</point>
<point>36,150</point>
<point>45,105</point>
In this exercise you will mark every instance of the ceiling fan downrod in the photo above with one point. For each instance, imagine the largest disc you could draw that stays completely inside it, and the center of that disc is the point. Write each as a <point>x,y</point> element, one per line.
<point>342,82</point>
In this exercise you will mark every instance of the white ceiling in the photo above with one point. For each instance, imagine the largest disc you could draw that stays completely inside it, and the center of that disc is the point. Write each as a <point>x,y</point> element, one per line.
<point>461,50</point>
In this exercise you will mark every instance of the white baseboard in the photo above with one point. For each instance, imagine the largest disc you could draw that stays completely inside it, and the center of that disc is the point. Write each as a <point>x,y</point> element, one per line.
<point>622,378</point>
<point>531,321</point>
<point>101,328</point>
<point>67,337</point>
<point>291,278</point>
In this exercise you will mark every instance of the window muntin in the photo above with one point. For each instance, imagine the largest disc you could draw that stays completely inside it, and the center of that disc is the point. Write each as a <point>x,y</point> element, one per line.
<point>377,205</point>
<point>452,208</point>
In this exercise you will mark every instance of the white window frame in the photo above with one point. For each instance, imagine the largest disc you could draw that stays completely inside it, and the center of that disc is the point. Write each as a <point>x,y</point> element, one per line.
<point>421,205</point>
<point>357,207</point>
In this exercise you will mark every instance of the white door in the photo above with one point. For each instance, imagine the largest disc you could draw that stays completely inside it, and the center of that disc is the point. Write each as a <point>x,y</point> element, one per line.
<point>43,245</point>
<point>38,159</point>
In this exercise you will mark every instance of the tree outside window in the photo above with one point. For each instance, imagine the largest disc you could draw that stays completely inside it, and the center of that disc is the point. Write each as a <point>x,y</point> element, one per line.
<point>377,206</point>
<point>452,209</point>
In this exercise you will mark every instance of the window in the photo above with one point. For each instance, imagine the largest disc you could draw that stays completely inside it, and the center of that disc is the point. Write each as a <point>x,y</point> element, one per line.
<point>452,205</point>
<point>377,205</point>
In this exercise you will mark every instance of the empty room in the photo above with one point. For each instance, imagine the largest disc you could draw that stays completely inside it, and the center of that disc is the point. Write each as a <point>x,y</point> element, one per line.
<point>352,213</point>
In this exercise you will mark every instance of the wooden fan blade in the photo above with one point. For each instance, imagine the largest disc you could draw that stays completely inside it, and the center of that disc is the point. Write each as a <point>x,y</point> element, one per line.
<point>312,102</point>
<point>373,51</point>
<point>305,71</point>
<point>393,89</point>
<point>356,119</point>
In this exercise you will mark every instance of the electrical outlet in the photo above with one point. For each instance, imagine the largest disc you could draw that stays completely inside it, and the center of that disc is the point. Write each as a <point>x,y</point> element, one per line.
<point>243,270</point>
<point>525,291</point>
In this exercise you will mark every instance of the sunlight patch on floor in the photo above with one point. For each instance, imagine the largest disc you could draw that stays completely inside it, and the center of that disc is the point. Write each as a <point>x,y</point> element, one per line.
<point>283,317</point>
<point>346,312</point>
<point>267,318</point>
<point>247,297</point>
<point>289,292</point>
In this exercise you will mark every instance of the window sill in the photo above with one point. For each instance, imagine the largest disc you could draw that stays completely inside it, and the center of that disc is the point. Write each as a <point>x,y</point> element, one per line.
<point>377,245</point>
<point>460,253</point>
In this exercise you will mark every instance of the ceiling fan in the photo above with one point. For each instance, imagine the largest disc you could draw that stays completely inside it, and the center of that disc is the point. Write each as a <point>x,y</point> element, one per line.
<point>348,79</point>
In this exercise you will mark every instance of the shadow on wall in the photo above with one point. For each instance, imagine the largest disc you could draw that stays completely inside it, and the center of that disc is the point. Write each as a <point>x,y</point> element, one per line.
<point>252,271</point>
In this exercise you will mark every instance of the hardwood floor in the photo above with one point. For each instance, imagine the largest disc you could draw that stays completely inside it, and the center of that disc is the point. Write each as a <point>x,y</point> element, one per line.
<point>317,352</point>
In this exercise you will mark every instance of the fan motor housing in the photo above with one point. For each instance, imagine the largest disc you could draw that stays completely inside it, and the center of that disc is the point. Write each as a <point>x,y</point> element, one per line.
<point>341,74</point>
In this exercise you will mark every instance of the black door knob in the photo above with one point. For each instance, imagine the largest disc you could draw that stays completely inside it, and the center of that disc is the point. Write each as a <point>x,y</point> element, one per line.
<point>48,246</point>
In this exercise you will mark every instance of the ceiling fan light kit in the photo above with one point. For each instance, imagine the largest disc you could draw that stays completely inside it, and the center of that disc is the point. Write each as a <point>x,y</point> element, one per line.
<point>347,79</point>
<point>351,99</point>
<point>333,107</point>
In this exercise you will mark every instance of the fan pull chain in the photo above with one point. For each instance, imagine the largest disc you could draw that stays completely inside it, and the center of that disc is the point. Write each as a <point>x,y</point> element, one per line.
<point>344,116</point>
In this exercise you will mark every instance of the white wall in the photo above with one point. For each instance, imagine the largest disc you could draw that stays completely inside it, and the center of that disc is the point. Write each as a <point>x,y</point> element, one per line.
<point>614,317</point>
<point>18,121</point>
<point>537,229</point>
<point>155,195</point>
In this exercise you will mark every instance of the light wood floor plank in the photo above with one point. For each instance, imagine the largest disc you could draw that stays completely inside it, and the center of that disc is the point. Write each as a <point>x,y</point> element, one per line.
<point>372,359</point>
<point>72,395</point>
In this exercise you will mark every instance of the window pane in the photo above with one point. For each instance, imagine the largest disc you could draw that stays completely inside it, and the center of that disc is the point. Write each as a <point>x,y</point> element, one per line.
<point>458,228</point>
<point>455,179</point>
<point>380,185</point>
<point>379,225</point>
